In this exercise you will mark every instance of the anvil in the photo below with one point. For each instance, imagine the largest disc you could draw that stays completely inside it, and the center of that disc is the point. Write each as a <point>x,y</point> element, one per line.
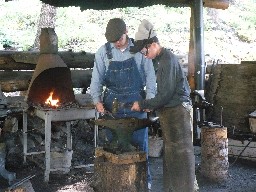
<point>122,130</point>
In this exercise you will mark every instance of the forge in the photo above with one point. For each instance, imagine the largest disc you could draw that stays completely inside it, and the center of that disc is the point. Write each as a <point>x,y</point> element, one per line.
<point>50,96</point>
<point>51,75</point>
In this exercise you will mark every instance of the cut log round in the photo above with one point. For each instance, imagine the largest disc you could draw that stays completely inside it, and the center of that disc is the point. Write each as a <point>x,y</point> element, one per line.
<point>214,153</point>
<point>123,172</point>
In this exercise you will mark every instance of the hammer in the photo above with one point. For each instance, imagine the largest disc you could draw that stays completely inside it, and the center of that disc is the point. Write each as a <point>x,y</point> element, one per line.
<point>117,105</point>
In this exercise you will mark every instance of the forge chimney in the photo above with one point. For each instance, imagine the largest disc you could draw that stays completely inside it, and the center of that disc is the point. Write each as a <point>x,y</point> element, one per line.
<point>51,74</point>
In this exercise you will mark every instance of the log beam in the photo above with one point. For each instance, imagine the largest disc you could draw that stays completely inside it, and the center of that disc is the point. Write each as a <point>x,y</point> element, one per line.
<point>217,4</point>
<point>27,60</point>
<point>19,80</point>
<point>102,4</point>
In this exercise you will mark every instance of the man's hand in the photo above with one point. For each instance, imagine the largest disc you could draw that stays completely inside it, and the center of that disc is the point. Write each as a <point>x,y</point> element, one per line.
<point>100,108</point>
<point>135,106</point>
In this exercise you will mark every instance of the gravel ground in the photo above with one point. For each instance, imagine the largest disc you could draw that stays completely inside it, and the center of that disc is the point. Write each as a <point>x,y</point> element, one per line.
<point>242,178</point>
<point>242,173</point>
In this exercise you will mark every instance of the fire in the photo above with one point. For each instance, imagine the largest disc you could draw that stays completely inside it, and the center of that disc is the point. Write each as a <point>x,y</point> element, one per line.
<point>52,102</point>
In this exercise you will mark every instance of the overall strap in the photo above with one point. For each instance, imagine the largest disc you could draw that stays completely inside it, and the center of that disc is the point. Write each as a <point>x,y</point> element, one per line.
<point>132,40</point>
<point>108,50</point>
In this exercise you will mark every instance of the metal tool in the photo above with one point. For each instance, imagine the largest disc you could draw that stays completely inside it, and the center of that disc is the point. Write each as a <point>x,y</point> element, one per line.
<point>116,105</point>
<point>18,183</point>
<point>122,130</point>
<point>119,105</point>
<point>107,115</point>
<point>221,115</point>
<point>199,117</point>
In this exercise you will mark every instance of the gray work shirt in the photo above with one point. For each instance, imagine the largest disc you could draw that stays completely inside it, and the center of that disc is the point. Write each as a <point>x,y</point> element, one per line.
<point>101,63</point>
<point>172,85</point>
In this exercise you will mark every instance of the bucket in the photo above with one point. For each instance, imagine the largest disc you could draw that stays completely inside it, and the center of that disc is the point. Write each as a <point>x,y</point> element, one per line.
<point>61,160</point>
<point>252,121</point>
<point>155,146</point>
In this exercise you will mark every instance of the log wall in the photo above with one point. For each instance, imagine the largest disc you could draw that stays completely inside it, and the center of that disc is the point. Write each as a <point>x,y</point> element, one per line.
<point>16,69</point>
<point>233,88</point>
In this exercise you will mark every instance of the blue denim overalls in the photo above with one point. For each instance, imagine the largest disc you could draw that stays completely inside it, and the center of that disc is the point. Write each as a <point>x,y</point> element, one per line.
<point>123,81</point>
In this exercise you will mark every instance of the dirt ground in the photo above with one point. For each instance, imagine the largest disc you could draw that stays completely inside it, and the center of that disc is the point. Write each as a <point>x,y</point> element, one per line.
<point>242,173</point>
<point>242,177</point>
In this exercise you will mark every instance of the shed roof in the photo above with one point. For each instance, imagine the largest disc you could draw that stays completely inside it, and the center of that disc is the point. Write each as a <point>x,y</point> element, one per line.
<point>112,4</point>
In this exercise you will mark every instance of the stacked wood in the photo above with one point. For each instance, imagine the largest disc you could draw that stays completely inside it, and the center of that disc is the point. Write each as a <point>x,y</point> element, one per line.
<point>120,172</point>
<point>214,153</point>
<point>232,87</point>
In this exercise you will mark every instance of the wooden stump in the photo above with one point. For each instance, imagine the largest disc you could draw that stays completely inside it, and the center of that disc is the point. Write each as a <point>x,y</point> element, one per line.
<point>122,173</point>
<point>214,153</point>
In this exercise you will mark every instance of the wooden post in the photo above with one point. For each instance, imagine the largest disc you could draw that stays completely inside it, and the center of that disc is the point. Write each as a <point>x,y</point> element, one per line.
<point>214,153</point>
<point>122,172</point>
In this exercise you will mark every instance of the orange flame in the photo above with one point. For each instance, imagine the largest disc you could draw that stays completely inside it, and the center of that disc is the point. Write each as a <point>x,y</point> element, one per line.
<point>51,101</point>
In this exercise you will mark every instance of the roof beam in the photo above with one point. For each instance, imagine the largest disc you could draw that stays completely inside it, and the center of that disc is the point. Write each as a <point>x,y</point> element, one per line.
<point>112,4</point>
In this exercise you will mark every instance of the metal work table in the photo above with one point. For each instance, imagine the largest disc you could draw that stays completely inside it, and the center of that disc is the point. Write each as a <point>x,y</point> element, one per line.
<point>51,115</point>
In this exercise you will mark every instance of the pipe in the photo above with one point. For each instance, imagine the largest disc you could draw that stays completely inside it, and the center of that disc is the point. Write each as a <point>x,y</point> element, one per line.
<point>199,45</point>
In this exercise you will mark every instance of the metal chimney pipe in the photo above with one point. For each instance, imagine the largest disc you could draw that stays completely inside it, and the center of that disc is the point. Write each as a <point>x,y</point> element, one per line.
<point>199,45</point>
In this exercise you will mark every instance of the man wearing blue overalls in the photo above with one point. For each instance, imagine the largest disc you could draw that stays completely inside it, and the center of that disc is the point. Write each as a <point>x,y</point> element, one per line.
<point>124,76</point>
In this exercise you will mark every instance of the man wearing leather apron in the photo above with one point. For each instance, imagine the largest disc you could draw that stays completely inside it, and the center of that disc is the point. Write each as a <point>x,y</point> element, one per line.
<point>174,107</point>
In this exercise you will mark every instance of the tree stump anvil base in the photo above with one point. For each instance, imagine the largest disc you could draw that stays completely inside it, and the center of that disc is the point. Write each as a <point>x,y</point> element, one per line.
<point>123,172</point>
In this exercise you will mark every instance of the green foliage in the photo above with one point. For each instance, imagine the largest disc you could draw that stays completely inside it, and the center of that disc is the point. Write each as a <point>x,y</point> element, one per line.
<point>18,22</point>
<point>246,36</point>
<point>84,30</point>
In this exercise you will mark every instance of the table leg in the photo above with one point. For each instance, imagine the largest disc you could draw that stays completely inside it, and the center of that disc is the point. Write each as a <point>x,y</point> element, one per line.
<point>69,136</point>
<point>47,146</point>
<point>96,130</point>
<point>25,136</point>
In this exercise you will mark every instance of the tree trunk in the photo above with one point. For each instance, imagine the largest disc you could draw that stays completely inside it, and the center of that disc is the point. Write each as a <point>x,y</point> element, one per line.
<point>47,19</point>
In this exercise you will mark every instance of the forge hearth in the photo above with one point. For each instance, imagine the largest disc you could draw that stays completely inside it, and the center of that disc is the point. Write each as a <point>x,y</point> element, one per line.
<point>51,74</point>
